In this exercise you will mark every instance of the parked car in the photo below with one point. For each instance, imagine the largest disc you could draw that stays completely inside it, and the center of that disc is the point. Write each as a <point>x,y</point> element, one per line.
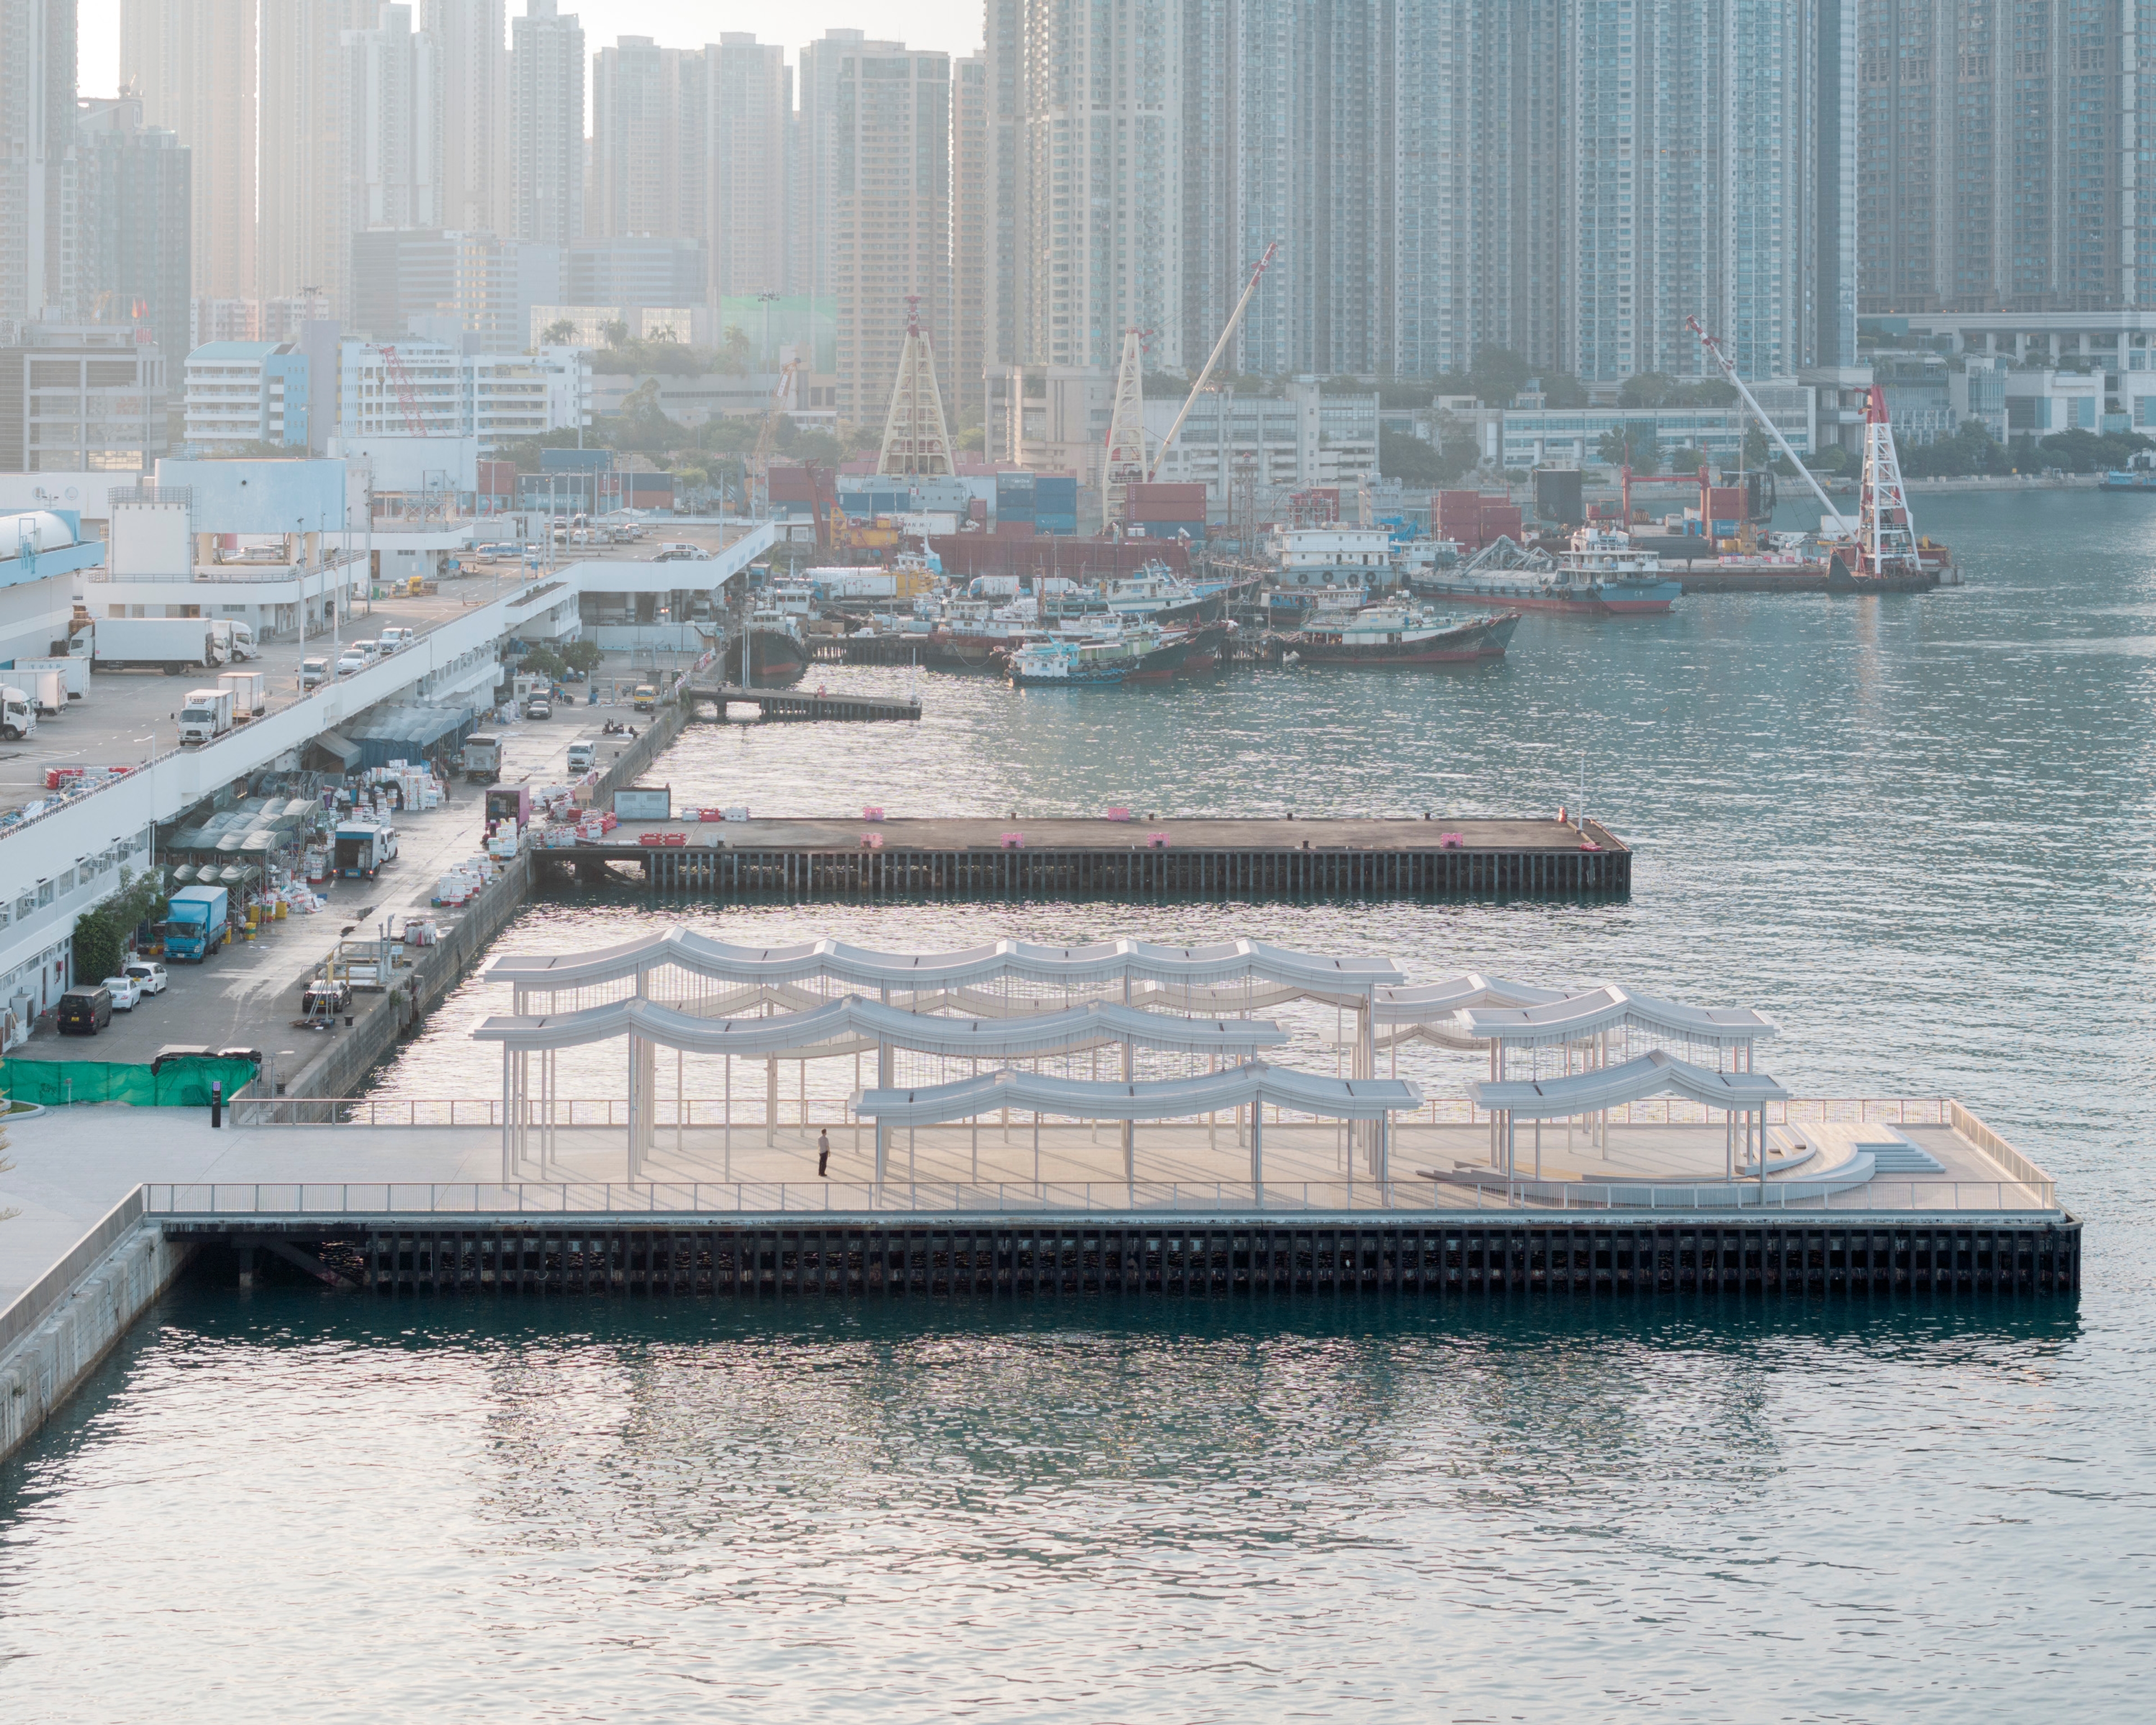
<point>83,1011</point>
<point>147,975</point>
<point>314,672</point>
<point>538,707</point>
<point>126,992</point>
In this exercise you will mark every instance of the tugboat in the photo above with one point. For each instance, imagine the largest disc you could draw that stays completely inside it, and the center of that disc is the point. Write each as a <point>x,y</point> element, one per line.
<point>1393,634</point>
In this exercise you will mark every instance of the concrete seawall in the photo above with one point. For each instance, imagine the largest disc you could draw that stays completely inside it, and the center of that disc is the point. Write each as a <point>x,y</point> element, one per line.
<point>381,1020</point>
<point>54,1335</point>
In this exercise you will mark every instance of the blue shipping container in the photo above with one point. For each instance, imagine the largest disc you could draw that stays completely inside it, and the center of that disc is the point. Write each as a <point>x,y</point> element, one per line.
<point>1055,496</point>
<point>1065,524</point>
<point>1169,530</point>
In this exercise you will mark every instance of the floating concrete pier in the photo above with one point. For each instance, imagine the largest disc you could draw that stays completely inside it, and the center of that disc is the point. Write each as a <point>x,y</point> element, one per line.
<point>1020,857</point>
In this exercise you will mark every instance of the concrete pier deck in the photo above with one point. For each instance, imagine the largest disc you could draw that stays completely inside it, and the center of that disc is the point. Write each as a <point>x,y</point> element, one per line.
<point>73,1165</point>
<point>800,706</point>
<point>1061,857</point>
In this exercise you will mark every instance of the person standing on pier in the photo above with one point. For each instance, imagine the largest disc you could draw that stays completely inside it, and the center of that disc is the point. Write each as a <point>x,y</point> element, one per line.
<point>822,1154</point>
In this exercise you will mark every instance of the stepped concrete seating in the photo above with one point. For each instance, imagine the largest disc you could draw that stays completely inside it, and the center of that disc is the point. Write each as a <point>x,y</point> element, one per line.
<point>1894,1151</point>
<point>1787,1148</point>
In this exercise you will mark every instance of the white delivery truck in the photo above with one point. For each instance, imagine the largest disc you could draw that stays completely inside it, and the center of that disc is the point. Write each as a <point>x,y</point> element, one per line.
<point>250,693</point>
<point>73,672</point>
<point>206,716</point>
<point>482,759</point>
<point>18,714</point>
<point>174,645</point>
<point>237,639</point>
<point>48,690</point>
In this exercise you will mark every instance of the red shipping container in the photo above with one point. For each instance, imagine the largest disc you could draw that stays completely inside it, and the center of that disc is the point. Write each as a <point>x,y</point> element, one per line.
<point>1166,503</point>
<point>790,484</point>
<point>1725,503</point>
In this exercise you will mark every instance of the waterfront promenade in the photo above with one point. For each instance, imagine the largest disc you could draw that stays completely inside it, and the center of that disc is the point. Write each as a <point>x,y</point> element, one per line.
<point>71,1166</point>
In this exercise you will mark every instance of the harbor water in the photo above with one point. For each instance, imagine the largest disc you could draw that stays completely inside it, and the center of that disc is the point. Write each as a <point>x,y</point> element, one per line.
<point>1921,831</point>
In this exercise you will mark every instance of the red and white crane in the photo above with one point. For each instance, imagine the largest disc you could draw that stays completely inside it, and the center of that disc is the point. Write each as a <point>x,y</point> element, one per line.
<point>1886,538</point>
<point>1720,356</point>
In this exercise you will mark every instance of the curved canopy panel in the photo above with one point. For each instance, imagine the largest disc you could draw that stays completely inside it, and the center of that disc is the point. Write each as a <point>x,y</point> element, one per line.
<point>1439,1035</point>
<point>1164,1098</point>
<point>1428,1003</point>
<point>855,1022</point>
<point>1648,1074</point>
<point>1578,1016</point>
<point>861,966</point>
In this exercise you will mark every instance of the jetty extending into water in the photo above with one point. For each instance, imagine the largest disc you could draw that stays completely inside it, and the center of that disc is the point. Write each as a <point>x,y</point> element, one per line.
<point>1141,857</point>
<point>1019,1120</point>
<point>797,706</point>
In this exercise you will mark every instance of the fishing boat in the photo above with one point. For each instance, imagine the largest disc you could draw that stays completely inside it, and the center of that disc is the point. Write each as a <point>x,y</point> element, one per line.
<point>1600,573</point>
<point>1157,655</point>
<point>1062,664</point>
<point>1396,633</point>
<point>769,653</point>
<point>1209,643</point>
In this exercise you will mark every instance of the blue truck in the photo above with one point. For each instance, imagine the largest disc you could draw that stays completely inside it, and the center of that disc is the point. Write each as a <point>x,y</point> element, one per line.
<point>197,923</point>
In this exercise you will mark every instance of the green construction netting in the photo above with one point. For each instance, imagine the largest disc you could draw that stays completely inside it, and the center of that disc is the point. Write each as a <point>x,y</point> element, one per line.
<point>182,1084</point>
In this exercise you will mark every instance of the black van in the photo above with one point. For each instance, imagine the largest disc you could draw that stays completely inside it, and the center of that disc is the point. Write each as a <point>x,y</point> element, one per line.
<point>86,1011</point>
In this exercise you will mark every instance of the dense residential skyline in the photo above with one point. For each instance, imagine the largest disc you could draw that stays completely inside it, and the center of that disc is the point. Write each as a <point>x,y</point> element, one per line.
<point>1567,181</point>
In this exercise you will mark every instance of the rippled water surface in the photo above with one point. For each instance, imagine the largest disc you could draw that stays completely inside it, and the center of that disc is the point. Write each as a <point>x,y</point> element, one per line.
<point>1919,830</point>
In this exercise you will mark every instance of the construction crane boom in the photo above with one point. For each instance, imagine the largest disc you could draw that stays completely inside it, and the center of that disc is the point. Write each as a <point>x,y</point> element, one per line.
<point>1212,359</point>
<point>408,398</point>
<point>1712,344</point>
<point>767,438</point>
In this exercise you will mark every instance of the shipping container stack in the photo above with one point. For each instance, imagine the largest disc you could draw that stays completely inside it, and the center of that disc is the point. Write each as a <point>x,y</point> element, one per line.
<point>647,491</point>
<point>1169,512</point>
<point>1014,504</point>
<point>792,495</point>
<point>867,505</point>
<point>1056,503</point>
<point>1472,520</point>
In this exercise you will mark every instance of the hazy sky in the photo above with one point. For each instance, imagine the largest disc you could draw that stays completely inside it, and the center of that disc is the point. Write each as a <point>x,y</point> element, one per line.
<point>954,25</point>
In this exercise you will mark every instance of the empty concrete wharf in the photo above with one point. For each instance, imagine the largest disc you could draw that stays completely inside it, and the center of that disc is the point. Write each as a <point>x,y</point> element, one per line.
<point>1020,857</point>
<point>797,706</point>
